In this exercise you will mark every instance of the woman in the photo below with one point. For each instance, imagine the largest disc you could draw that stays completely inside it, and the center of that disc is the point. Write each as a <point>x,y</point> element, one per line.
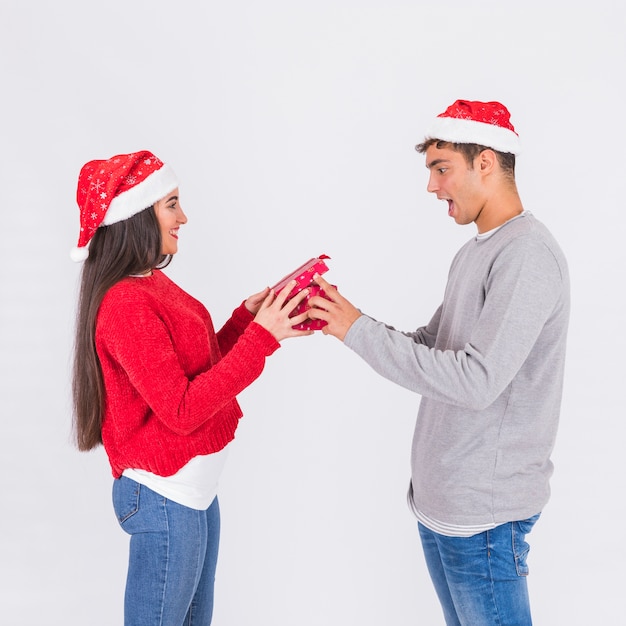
<point>156,385</point>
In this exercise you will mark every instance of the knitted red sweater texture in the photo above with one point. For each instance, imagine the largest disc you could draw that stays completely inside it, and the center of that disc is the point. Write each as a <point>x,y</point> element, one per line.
<point>170,380</point>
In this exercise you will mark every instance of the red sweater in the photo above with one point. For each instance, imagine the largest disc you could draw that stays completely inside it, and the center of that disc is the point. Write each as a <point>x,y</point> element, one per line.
<point>170,381</point>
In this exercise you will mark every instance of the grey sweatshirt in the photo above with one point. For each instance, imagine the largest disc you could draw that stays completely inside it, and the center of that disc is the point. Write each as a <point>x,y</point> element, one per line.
<point>489,367</point>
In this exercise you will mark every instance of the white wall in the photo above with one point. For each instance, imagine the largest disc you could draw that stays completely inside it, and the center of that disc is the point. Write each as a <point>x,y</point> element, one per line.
<point>292,126</point>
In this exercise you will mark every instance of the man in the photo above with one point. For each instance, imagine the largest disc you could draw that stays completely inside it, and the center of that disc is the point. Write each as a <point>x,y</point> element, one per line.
<point>489,367</point>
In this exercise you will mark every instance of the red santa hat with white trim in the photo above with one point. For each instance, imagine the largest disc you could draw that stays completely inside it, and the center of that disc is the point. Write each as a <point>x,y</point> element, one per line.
<point>115,189</point>
<point>484,123</point>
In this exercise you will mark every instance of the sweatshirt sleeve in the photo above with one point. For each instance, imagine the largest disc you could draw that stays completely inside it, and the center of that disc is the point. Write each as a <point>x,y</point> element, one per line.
<point>133,341</point>
<point>522,290</point>
<point>233,327</point>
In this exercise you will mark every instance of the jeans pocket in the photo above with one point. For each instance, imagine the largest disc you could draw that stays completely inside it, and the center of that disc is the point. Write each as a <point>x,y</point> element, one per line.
<point>520,546</point>
<point>125,498</point>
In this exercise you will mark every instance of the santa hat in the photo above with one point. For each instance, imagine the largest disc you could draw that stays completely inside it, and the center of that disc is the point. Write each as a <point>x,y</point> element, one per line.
<point>115,189</point>
<point>484,123</point>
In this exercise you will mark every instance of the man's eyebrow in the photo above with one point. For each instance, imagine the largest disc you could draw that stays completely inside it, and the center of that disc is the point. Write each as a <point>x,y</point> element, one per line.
<point>436,162</point>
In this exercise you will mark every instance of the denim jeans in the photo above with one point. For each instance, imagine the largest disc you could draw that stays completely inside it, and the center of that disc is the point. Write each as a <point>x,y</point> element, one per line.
<point>481,580</point>
<point>173,556</point>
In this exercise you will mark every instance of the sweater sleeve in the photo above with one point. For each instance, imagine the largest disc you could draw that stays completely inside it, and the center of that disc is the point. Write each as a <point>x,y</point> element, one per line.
<point>423,335</point>
<point>233,327</point>
<point>135,339</point>
<point>427,334</point>
<point>522,291</point>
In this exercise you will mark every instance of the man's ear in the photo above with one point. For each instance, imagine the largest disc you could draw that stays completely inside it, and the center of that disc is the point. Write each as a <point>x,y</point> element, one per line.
<point>487,161</point>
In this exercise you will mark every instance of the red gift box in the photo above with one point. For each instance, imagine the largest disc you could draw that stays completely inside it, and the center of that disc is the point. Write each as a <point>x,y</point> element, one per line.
<point>304,277</point>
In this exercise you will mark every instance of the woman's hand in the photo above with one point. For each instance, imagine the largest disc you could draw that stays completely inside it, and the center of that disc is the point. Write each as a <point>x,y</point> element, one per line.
<point>254,302</point>
<point>273,313</point>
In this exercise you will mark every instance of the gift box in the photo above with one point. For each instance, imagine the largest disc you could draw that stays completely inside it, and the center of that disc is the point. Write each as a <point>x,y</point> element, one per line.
<point>304,277</point>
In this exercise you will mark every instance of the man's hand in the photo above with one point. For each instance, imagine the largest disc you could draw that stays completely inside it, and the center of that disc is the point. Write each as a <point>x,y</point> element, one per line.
<point>339,313</point>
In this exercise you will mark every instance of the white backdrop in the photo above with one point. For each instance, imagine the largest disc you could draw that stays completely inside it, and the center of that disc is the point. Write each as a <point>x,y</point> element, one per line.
<point>291,126</point>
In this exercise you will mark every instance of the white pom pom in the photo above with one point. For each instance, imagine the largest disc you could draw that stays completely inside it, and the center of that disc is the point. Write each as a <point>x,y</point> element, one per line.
<point>79,254</point>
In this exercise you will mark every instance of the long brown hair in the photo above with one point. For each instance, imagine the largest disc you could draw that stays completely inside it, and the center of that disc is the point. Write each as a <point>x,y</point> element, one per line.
<point>132,246</point>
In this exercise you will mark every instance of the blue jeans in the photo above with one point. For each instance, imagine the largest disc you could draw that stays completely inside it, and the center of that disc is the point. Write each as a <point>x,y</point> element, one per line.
<point>481,580</point>
<point>173,556</point>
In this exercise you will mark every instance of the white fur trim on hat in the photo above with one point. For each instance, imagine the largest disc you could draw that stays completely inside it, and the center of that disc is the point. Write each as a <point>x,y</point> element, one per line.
<point>78,255</point>
<point>458,130</point>
<point>141,196</point>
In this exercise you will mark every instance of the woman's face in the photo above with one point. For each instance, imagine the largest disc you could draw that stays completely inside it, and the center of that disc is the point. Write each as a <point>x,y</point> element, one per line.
<point>170,216</point>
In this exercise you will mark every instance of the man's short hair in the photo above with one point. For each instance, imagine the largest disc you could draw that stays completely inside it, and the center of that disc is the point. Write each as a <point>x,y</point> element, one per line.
<point>470,151</point>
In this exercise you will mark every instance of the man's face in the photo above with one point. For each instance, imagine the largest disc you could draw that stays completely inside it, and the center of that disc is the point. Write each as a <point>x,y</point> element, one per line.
<point>452,180</point>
